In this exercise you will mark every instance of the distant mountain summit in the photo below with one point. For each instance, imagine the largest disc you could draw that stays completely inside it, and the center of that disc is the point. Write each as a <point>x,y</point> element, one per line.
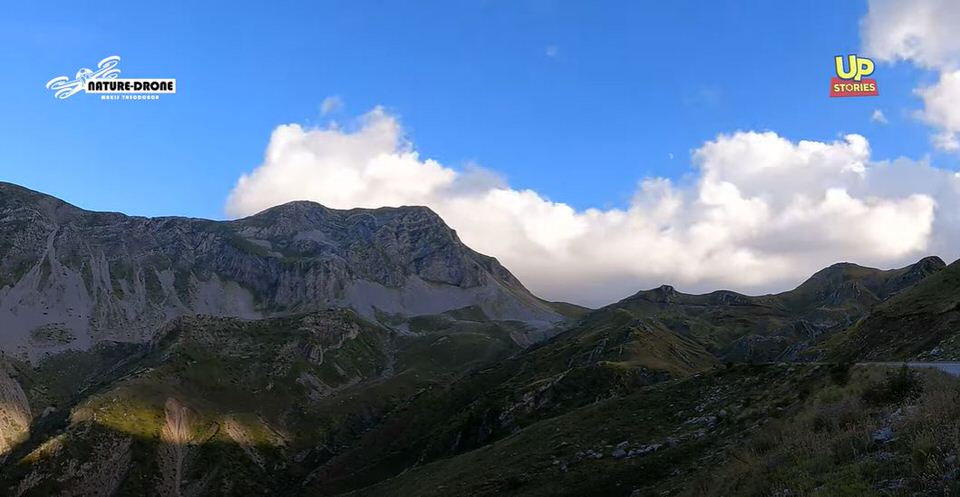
<point>776,327</point>
<point>70,278</point>
<point>919,323</point>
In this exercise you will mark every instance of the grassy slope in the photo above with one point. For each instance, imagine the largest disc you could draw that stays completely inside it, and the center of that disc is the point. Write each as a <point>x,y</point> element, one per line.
<point>907,325</point>
<point>608,352</point>
<point>884,432</point>
<point>692,419</point>
<point>749,431</point>
<point>641,340</point>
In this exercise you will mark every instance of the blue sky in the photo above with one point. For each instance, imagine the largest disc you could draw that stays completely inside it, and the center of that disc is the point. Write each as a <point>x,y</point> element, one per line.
<point>627,85</point>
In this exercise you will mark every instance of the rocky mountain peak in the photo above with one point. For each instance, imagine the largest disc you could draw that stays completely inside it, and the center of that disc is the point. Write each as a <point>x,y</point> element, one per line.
<point>70,278</point>
<point>928,265</point>
<point>23,203</point>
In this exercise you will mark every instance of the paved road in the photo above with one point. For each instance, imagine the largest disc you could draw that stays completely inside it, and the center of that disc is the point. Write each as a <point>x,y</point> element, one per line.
<point>952,368</point>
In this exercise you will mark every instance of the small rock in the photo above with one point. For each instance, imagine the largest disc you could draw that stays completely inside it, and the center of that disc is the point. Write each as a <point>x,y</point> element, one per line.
<point>883,435</point>
<point>593,454</point>
<point>896,484</point>
<point>618,454</point>
<point>706,420</point>
<point>883,456</point>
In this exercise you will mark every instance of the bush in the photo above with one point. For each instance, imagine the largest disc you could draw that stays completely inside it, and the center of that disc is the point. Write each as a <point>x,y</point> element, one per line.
<point>896,387</point>
<point>840,373</point>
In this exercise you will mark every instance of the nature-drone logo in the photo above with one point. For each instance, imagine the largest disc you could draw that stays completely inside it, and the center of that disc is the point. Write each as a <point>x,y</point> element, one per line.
<point>105,81</point>
<point>852,81</point>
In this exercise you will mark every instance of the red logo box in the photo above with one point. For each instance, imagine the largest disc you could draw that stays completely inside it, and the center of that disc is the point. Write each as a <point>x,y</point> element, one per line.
<point>866,87</point>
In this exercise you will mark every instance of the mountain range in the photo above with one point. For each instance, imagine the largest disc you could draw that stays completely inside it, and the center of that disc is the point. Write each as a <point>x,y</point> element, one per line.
<point>312,351</point>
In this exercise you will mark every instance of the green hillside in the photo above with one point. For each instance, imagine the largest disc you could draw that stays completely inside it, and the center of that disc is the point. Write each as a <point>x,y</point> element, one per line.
<point>921,322</point>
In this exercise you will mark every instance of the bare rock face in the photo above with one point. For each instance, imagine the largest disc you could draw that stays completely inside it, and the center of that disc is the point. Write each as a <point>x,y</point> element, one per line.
<point>14,413</point>
<point>70,278</point>
<point>180,437</point>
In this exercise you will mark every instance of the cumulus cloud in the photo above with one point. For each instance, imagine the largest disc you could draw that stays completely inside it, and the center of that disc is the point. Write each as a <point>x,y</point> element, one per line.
<point>761,213</point>
<point>922,32</point>
<point>878,117</point>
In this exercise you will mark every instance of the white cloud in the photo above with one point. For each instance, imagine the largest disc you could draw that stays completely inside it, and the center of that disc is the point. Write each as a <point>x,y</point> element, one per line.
<point>552,51</point>
<point>331,104</point>
<point>942,109</point>
<point>946,140</point>
<point>922,32</point>
<point>878,117</point>
<point>762,212</point>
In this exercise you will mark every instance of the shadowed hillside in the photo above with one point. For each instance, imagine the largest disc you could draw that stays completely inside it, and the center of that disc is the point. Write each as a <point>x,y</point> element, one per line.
<point>921,322</point>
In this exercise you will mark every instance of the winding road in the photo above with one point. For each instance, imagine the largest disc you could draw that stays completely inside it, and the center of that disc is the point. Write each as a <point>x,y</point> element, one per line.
<point>952,368</point>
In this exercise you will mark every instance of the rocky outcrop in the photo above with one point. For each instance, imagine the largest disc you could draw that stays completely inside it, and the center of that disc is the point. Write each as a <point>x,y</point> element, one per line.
<point>180,438</point>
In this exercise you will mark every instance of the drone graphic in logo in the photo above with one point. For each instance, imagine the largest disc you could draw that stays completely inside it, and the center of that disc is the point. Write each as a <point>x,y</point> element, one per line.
<point>65,87</point>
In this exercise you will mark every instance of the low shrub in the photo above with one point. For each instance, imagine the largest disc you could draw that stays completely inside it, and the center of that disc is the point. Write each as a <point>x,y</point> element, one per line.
<point>897,387</point>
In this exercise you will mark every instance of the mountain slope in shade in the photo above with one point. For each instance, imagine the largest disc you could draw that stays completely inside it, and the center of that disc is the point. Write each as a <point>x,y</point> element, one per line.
<point>921,322</point>
<point>71,278</point>
<point>738,327</point>
<point>647,441</point>
<point>607,353</point>
<point>222,406</point>
<point>325,400</point>
<point>650,338</point>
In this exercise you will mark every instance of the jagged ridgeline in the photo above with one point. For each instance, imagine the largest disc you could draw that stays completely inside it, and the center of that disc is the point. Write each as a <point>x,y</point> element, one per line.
<point>70,278</point>
<point>306,351</point>
<point>920,323</point>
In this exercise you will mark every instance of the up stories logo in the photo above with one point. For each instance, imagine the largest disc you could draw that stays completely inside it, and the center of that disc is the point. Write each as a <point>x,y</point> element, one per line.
<point>851,77</point>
